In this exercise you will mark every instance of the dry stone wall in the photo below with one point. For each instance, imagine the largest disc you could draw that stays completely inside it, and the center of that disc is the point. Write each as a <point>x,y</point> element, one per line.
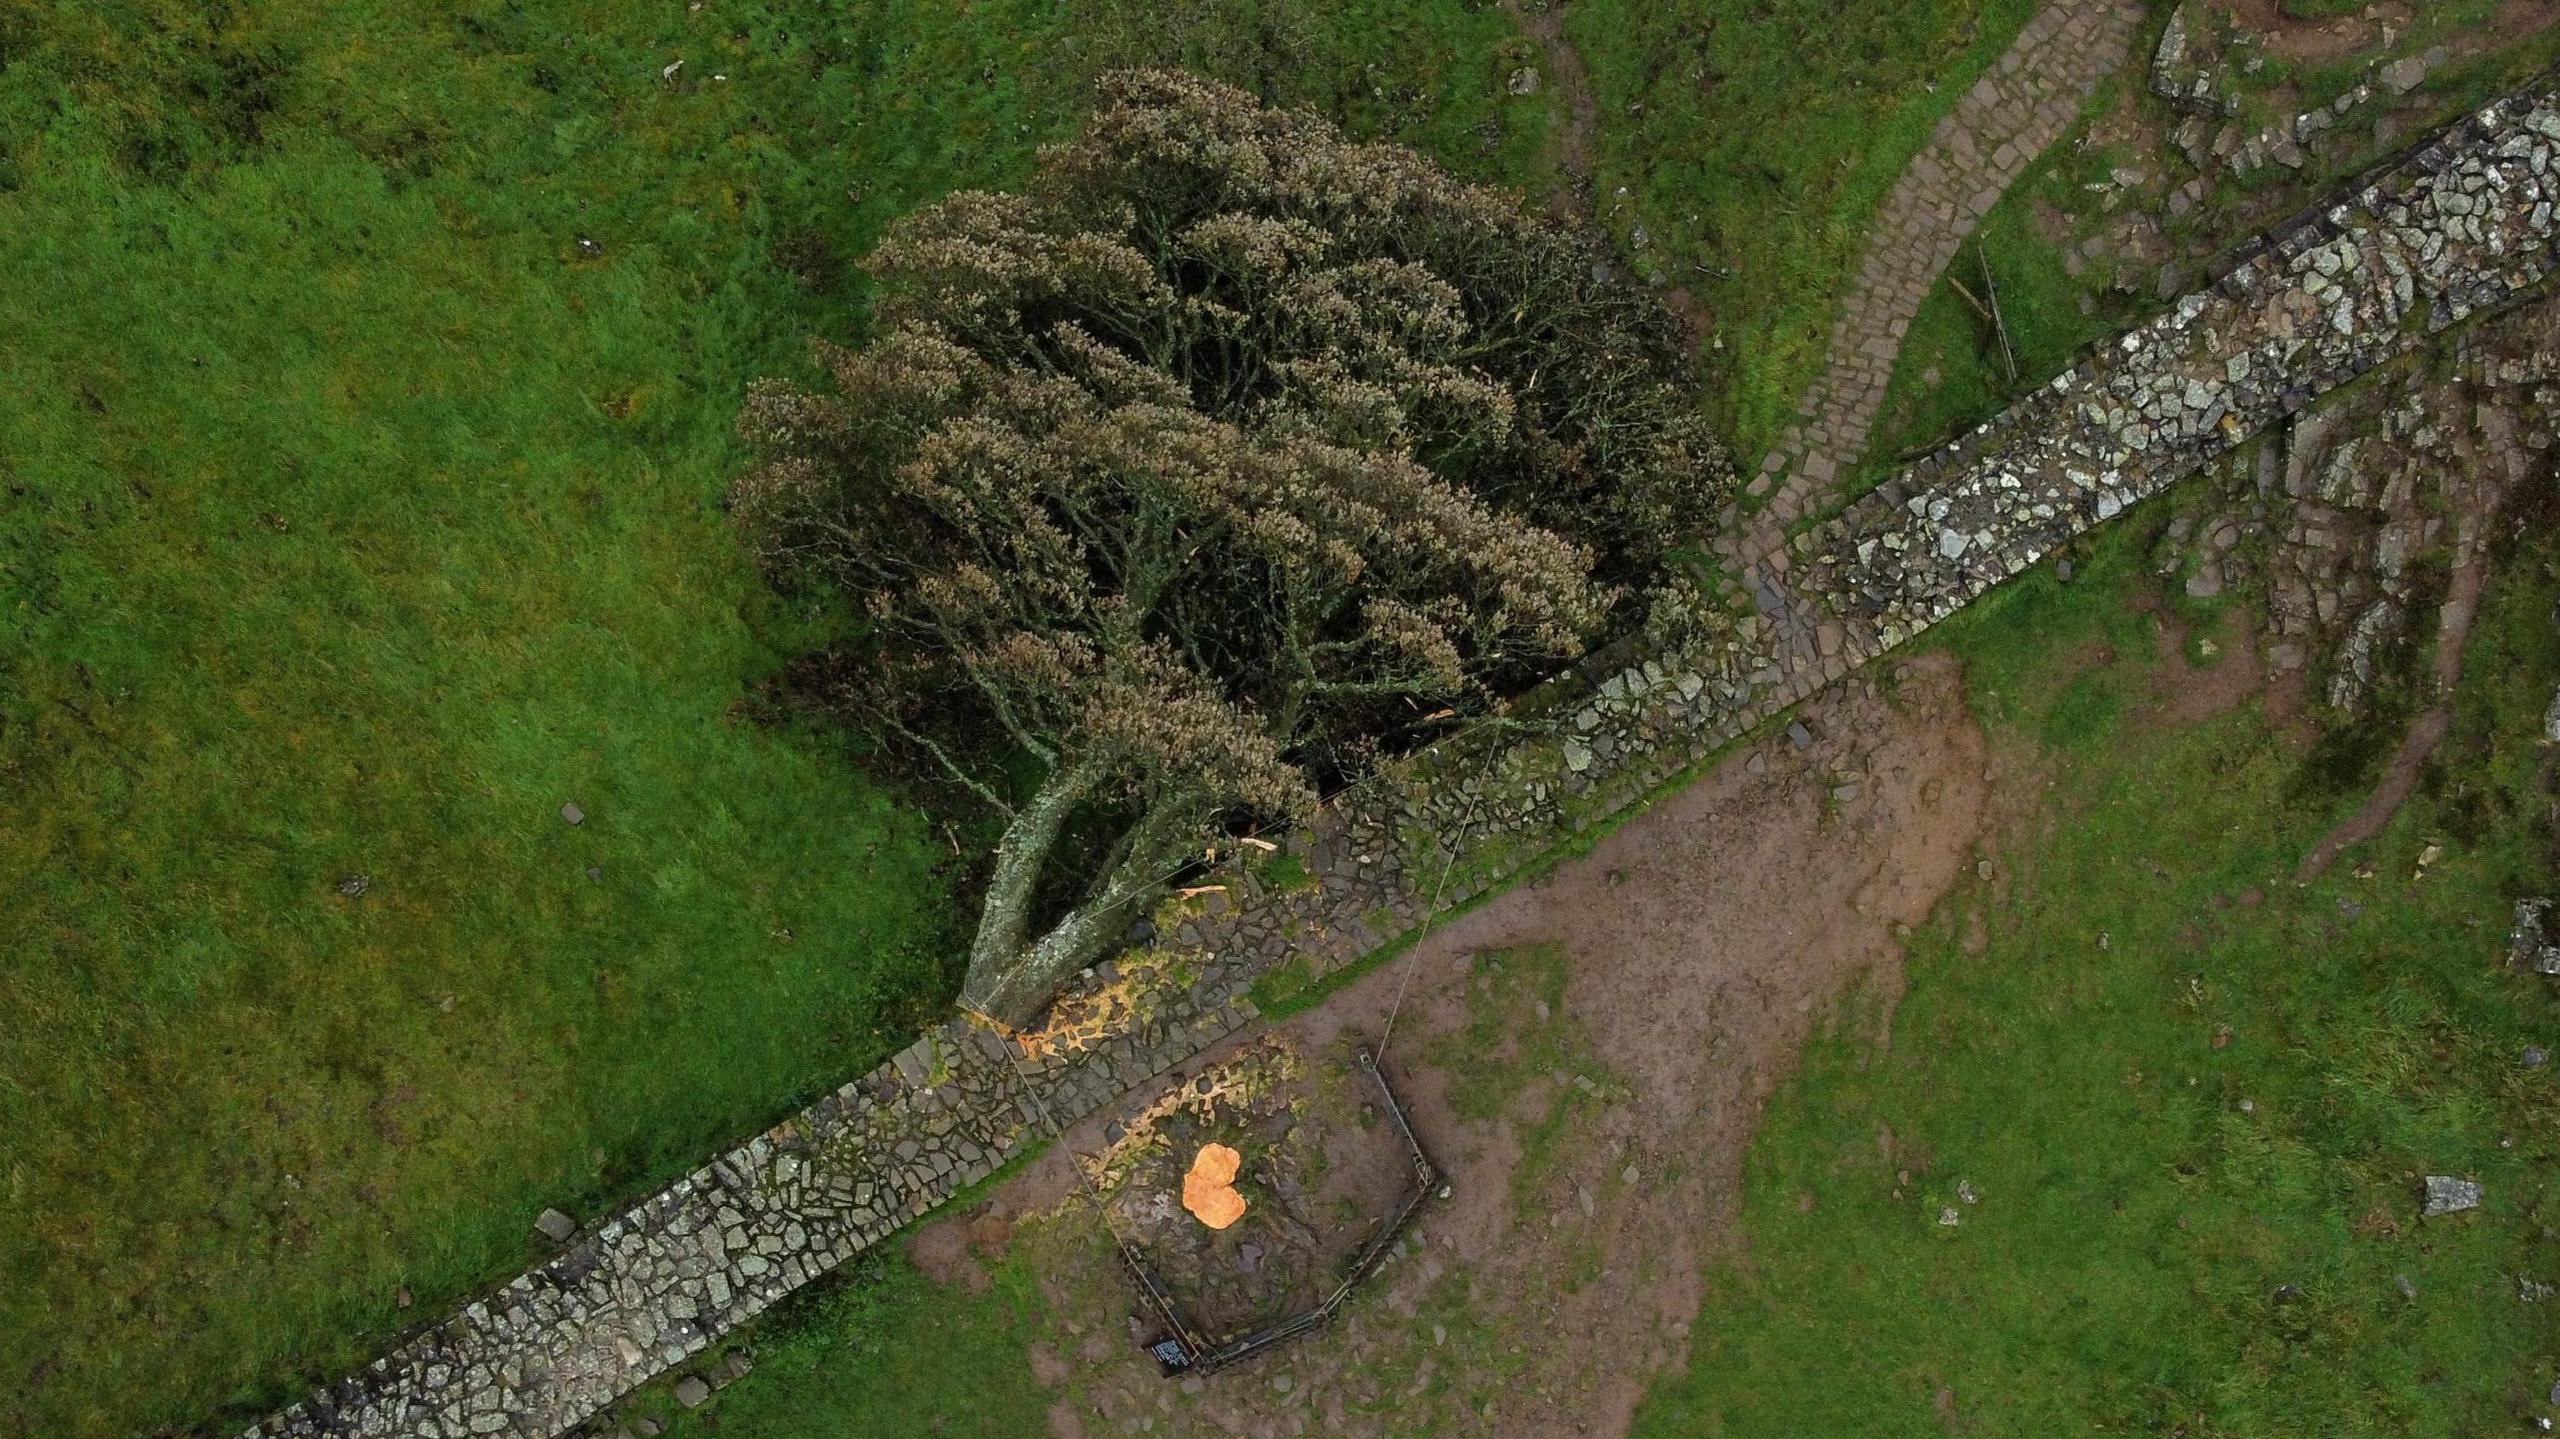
<point>2462,225</point>
<point>2025,102</point>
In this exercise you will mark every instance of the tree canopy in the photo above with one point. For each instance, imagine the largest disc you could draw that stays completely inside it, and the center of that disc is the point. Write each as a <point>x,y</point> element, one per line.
<point>1229,456</point>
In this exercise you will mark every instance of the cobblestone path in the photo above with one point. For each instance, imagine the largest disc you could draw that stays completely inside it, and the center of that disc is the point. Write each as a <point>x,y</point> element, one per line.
<point>2015,112</point>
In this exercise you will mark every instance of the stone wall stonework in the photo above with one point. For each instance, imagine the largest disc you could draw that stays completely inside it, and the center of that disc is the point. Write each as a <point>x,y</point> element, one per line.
<point>2462,225</point>
<point>657,1284</point>
<point>2020,106</point>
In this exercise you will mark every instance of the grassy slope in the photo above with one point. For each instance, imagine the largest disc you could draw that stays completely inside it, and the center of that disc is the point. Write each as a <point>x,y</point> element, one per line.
<point>1759,137</point>
<point>882,1349</point>
<point>2136,1224</point>
<point>357,520</point>
<point>361,525</point>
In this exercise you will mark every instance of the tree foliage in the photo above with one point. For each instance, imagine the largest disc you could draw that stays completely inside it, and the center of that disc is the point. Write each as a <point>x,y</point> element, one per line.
<point>1229,456</point>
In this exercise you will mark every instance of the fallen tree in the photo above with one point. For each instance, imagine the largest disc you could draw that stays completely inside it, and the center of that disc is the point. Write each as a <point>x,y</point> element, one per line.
<point>1230,456</point>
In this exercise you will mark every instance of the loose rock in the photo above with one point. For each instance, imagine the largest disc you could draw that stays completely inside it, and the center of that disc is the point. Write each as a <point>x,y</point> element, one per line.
<point>2449,1195</point>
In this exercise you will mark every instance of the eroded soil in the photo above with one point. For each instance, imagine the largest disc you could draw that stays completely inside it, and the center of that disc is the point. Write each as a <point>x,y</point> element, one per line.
<point>1588,1056</point>
<point>2327,39</point>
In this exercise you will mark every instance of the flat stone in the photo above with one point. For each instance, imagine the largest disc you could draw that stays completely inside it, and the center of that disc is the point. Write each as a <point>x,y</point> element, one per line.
<point>2449,1195</point>
<point>692,1392</point>
<point>572,813</point>
<point>555,1226</point>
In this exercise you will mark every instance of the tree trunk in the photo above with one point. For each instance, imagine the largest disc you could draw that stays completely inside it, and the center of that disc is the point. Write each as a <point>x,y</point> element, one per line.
<point>1013,886</point>
<point>1014,994</point>
<point>1010,980</point>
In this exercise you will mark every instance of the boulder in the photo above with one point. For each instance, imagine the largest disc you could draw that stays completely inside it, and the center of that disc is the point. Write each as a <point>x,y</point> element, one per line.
<point>2449,1195</point>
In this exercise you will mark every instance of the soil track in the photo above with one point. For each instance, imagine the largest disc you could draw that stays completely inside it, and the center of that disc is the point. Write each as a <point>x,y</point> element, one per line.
<point>1703,942</point>
<point>2475,496</point>
<point>2328,39</point>
<point>1575,135</point>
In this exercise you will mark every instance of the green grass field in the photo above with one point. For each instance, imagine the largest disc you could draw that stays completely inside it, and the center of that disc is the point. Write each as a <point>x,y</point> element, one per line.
<point>2194,1101</point>
<point>361,513</point>
<point>375,365</point>
<point>1754,140</point>
<point>881,1349</point>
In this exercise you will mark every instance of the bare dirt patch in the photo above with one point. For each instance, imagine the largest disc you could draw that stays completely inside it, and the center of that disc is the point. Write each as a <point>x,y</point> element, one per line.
<point>2519,18</point>
<point>2321,39</point>
<point>2184,692</point>
<point>2325,39</point>
<point>1587,1056</point>
<point>1575,135</point>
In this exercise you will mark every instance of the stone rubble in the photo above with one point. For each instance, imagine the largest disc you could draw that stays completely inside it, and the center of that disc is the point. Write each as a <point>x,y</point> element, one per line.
<point>2332,520</point>
<point>2290,142</point>
<point>2462,226</point>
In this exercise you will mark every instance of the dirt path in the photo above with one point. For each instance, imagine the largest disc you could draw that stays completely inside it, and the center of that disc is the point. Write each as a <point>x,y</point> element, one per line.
<point>2315,40</point>
<point>2024,103</point>
<point>2474,494</point>
<point>1575,137</point>
<point>1595,1129</point>
<point>2318,39</point>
